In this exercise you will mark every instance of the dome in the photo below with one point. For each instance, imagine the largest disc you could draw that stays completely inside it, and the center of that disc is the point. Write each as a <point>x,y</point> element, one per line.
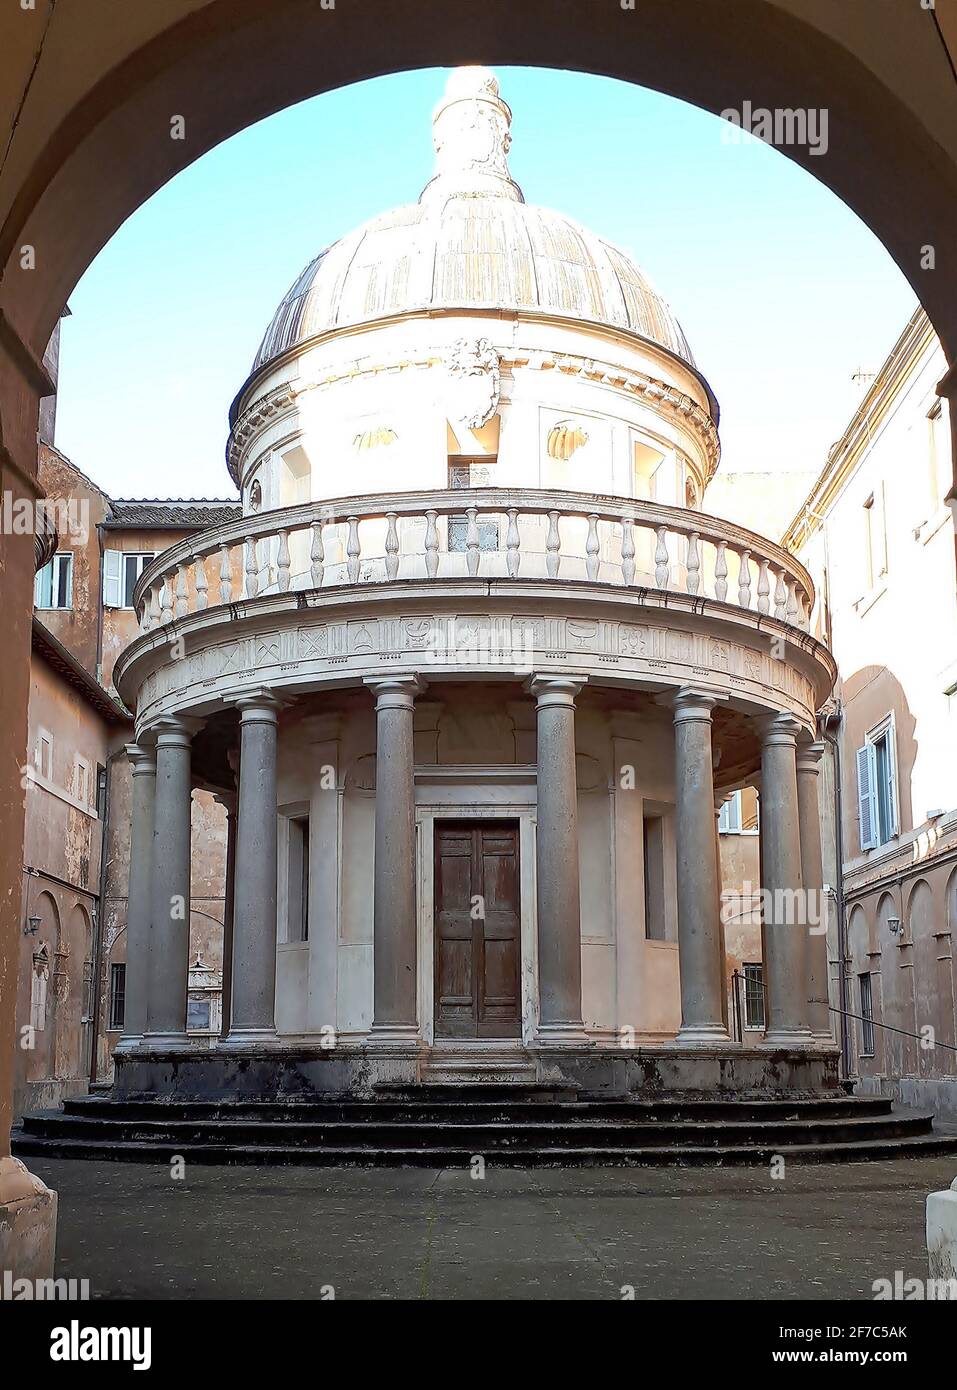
<point>471,242</point>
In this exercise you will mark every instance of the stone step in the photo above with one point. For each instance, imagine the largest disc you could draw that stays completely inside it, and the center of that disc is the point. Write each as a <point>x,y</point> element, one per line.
<point>424,1103</point>
<point>482,1136</point>
<point>451,1156</point>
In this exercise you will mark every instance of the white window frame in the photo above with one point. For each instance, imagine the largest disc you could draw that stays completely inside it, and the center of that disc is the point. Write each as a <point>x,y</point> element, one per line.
<point>44,765</point>
<point>50,571</point>
<point>731,817</point>
<point>872,833</point>
<point>81,779</point>
<point>114,575</point>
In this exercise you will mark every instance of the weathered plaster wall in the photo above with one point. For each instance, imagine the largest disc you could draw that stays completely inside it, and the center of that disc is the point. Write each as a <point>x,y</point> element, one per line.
<point>61,858</point>
<point>77,626</point>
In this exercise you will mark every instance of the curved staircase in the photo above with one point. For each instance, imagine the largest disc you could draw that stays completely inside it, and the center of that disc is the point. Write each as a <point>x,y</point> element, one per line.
<point>509,1124</point>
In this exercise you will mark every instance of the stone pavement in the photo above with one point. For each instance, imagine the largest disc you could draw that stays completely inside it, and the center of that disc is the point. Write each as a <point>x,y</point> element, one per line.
<point>823,1232</point>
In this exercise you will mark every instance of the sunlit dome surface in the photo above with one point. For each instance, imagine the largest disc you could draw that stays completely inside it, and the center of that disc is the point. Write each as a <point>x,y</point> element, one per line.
<point>471,242</point>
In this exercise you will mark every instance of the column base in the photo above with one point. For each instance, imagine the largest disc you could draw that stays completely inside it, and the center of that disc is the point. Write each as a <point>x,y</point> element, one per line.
<point>28,1210</point>
<point>703,1035</point>
<point>571,1033</point>
<point>167,1042</point>
<point>131,1042</point>
<point>789,1037</point>
<point>242,1038</point>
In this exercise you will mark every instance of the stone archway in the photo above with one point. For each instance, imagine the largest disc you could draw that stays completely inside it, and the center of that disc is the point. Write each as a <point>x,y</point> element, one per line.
<point>87,138</point>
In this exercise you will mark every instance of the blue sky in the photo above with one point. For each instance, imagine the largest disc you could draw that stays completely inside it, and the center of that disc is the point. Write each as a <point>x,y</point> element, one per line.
<point>782,291</point>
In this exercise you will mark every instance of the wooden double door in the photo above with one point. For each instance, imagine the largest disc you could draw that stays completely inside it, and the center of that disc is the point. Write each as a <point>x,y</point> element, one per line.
<point>477,930</point>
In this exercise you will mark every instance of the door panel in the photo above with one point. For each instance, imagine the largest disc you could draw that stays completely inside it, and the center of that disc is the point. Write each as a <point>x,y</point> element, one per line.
<point>477,930</point>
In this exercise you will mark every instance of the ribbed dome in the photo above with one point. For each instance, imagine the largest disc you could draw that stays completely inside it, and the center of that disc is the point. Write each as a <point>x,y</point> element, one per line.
<point>471,242</point>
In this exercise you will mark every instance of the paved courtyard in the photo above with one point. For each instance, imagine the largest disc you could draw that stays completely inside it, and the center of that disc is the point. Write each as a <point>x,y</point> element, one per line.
<point>821,1232</point>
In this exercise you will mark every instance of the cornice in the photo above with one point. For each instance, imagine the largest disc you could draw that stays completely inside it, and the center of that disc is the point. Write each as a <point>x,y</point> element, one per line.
<point>878,403</point>
<point>659,394</point>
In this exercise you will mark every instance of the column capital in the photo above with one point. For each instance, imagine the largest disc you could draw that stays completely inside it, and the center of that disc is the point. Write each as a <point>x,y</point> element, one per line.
<point>397,691</point>
<point>554,690</point>
<point>142,759</point>
<point>257,707</point>
<point>809,757</point>
<point>689,702</point>
<point>176,730</point>
<point>780,730</point>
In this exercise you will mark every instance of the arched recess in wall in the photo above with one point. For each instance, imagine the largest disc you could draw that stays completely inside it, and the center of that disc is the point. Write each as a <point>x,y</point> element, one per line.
<point>933,982</point>
<point>42,1001</point>
<point>74,964</point>
<point>897,988</point>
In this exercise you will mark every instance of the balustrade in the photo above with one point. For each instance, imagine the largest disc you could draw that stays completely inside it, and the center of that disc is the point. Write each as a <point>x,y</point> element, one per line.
<point>531,535</point>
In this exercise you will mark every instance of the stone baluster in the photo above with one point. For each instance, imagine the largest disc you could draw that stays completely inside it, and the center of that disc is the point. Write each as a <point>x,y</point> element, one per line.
<point>283,562</point>
<point>182,599</point>
<point>592,548</point>
<point>512,542</point>
<point>780,596</point>
<point>628,550</point>
<point>553,546</point>
<point>694,563</point>
<point>662,561</point>
<point>154,604</point>
<point>744,579</point>
<point>721,572</point>
<point>202,583</point>
<point>166,600</point>
<point>764,587</point>
<point>316,556</point>
<point>391,546</point>
<point>353,550</point>
<point>225,575</point>
<point>791,609</point>
<point>252,568</point>
<point>431,544</point>
<point>472,542</point>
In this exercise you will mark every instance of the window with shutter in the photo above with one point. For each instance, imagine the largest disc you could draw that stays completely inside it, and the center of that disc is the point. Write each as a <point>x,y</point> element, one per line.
<point>112,579</point>
<point>866,799</point>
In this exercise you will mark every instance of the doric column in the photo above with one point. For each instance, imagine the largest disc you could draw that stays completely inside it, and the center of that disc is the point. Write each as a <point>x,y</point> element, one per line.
<point>228,802</point>
<point>139,894</point>
<point>252,996</point>
<point>812,875</point>
<point>557,886</point>
<point>395,1010</point>
<point>170,870</point>
<point>785,919</point>
<point>699,925</point>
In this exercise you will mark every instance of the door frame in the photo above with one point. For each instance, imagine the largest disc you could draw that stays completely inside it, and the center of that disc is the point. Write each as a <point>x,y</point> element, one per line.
<point>500,793</point>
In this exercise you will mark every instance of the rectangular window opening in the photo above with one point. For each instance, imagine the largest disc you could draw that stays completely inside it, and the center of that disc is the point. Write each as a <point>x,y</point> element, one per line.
<point>117,997</point>
<point>653,831</point>
<point>297,880</point>
<point>867,1016</point>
